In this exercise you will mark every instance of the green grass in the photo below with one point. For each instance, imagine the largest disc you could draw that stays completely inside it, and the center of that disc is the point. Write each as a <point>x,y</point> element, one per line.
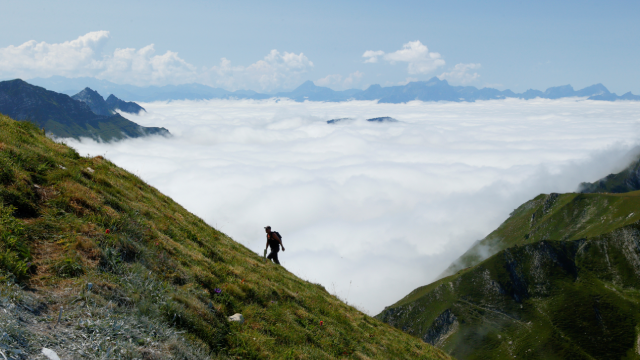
<point>161,264</point>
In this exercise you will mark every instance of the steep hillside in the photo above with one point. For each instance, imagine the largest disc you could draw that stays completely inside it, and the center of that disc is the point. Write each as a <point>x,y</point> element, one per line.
<point>97,264</point>
<point>63,116</point>
<point>556,217</point>
<point>575,299</point>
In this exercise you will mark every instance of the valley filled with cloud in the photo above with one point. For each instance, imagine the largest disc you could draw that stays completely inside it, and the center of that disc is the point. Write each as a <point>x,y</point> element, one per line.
<point>371,210</point>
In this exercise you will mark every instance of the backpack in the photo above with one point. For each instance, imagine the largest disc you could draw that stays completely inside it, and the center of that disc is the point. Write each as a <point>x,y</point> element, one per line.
<point>275,242</point>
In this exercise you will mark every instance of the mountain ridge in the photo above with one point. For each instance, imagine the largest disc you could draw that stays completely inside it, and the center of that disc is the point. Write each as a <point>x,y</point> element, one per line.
<point>63,116</point>
<point>561,281</point>
<point>433,89</point>
<point>108,107</point>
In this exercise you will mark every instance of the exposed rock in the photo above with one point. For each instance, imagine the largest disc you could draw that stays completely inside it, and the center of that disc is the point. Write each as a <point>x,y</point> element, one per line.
<point>441,328</point>
<point>50,354</point>
<point>549,201</point>
<point>236,318</point>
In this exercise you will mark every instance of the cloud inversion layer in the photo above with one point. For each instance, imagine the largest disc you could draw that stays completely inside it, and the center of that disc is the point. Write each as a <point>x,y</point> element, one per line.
<point>371,210</point>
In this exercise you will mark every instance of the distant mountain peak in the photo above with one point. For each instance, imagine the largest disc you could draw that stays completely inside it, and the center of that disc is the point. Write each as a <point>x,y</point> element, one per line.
<point>94,100</point>
<point>436,81</point>
<point>130,107</point>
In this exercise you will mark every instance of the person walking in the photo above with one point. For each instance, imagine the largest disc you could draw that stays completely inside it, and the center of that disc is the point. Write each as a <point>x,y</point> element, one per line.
<point>274,241</point>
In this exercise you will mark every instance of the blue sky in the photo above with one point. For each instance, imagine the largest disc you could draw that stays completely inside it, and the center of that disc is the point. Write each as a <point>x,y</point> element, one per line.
<point>504,44</point>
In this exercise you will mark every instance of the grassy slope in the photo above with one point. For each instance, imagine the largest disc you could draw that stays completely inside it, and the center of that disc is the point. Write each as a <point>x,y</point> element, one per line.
<point>154,275</point>
<point>575,299</point>
<point>558,217</point>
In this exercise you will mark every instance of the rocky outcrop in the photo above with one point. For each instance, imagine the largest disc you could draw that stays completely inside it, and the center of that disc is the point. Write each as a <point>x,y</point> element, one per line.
<point>441,328</point>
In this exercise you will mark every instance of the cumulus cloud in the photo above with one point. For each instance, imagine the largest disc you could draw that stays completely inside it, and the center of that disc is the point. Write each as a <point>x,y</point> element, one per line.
<point>336,80</point>
<point>416,54</point>
<point>460,74</point>
<point>329,80</point>
<point>372,56</point>
<point>276,70</point>
<point>42,59</point>
<point>83,57</point>
<point>371,211</point>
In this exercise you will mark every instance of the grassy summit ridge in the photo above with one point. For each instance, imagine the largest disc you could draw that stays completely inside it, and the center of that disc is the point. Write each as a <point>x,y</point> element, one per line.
<point>110,267</point>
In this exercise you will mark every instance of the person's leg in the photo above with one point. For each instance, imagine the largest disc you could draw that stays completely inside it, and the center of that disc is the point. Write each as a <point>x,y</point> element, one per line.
<point>273,255</point>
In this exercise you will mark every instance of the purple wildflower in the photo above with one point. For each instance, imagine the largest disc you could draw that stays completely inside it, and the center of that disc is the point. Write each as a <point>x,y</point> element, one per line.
<point>217,290</point>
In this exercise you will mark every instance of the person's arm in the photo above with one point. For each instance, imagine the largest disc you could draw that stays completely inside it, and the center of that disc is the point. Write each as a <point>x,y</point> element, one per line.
<point>267,246</point>
<point>280,241</point>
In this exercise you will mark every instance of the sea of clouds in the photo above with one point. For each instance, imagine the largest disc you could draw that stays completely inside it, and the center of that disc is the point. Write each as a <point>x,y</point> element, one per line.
<point>371,210</point>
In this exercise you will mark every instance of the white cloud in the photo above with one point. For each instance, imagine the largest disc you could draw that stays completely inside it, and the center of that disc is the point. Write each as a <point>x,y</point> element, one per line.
<point>372,56</point>
<point>275,71</point>
<point>83,57</point>
<point>42,59</point>
<point>416,54</point>
<point>329,80</point>
<point>336,79</point>
<point>460,74</point>
<point>353,79</point>
<point>369,204</point>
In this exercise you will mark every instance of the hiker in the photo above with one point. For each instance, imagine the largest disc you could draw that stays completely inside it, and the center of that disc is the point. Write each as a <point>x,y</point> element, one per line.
<point>274,240</point>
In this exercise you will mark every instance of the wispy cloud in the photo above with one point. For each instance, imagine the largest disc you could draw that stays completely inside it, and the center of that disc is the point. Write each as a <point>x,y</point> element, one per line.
<point>420,60</point>
<point>461,74</point>
<point>370,204</point>
<point>337,80</point>
<point>84,57</point>
<point>276,70</point>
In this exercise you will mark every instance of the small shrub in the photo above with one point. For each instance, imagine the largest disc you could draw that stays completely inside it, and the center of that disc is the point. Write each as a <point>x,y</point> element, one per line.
<point>14,251</point>
<point>21,204</point>
<point>7,175</point>
<point>69,267</point>
<point>110,260</point>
